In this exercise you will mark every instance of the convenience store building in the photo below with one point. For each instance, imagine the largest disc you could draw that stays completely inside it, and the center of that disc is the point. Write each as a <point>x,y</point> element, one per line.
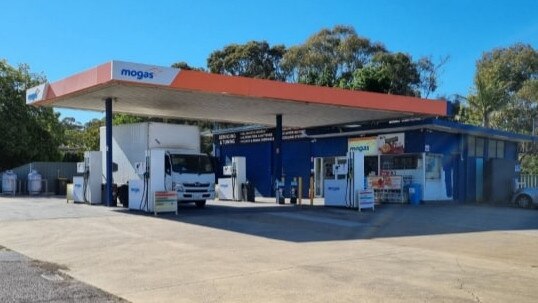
<point>450,161</point>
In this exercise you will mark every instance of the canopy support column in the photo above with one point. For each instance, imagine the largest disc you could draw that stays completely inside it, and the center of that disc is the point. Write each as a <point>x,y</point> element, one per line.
<point>277,156</point>
<point>108,130</point>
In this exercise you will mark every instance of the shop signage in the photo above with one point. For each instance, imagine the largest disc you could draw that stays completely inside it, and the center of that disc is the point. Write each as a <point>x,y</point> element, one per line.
<point>143,73</point>
<point>259,136</point>
<point>391,143</point>
<point>365,145</point>
<point>366,199</point>
<point>165,201</point>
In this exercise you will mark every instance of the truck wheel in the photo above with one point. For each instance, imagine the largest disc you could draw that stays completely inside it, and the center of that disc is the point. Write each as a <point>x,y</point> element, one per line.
<point>524,201</point>
<point>200,204</point>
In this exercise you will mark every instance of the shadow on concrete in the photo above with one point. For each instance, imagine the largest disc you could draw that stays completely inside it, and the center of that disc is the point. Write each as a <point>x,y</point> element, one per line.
<point>318,223</point>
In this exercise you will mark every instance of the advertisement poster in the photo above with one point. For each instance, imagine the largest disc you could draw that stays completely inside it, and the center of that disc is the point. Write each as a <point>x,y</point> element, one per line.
<point>391,143</point>
<point>365,145</point>
<point>385,182</point>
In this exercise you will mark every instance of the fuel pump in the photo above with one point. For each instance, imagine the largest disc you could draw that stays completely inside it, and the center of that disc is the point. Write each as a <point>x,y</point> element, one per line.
<point>350,186</point>
<point>139,188</point>
<point>348,180</point>
<point>234,180</point>
<point>86,177</point>
<point>144,202</point>
<point>235,175</point>
<point>87,188</point>
<point>336,188</point>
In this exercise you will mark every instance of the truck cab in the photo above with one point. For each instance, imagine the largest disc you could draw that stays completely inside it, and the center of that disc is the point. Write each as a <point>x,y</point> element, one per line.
<point>191,176</point>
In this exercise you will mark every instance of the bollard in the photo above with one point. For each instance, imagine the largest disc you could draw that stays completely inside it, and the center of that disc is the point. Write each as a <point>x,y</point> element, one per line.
<point>279,191</point>
<point>300,190</point>
<point>311,190</point>
<point>293,191</point>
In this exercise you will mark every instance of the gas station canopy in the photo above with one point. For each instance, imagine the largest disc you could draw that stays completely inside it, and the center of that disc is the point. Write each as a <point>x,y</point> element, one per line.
<point>157,91</point>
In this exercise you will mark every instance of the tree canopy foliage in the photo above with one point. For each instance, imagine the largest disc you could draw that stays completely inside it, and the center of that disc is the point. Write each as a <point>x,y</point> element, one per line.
<point>329,57</point>
<point>186,66</point>
<point>26,133</point>
<point>336,57</point>
<point>505,93</point>
<point>502,91</point>
<point>255,59</point>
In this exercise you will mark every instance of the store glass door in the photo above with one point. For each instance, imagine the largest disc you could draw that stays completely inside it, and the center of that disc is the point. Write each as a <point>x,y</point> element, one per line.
<point>318,177</point>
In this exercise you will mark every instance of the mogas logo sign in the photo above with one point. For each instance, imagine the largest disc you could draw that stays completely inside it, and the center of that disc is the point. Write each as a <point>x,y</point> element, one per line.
<point>137,73</point>
<point>36,93</point>
<point>143,73</point>
<point>365,145</point>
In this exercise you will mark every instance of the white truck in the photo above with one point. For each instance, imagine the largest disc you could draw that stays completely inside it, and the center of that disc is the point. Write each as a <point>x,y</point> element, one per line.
<point>152,157</point>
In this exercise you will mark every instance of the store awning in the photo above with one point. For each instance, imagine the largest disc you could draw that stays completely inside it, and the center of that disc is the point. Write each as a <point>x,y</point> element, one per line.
<point>157,91</point>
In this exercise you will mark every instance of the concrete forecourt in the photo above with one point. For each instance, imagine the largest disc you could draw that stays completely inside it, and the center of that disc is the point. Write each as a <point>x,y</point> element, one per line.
<point>263,252</point>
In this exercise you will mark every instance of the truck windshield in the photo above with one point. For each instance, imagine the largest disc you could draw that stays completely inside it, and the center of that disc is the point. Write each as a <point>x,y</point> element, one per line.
<point>192,164</point>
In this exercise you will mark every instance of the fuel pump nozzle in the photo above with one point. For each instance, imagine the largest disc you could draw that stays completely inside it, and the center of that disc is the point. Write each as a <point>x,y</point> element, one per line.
<point>234,179</point>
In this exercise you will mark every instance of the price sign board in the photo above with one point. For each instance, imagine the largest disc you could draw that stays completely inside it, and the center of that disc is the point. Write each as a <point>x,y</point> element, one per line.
<point>165,201</point>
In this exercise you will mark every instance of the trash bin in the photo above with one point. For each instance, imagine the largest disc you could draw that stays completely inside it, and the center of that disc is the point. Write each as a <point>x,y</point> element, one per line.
<point>247,191</point>
<point>250,192</point>
<point>61,186</point>
<point>123,195</point>
<point>104,196</point>
<point>415,193</point>
<point>244,191</point>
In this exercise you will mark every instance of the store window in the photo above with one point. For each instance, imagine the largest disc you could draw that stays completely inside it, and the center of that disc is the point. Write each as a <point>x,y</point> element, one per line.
<point>393,162</point>
<point>370,166</point>
<point>500,149</point>
<point>471,146</point>
<point>492,148</point>
<point>479,152</point>
<point>496,149</point>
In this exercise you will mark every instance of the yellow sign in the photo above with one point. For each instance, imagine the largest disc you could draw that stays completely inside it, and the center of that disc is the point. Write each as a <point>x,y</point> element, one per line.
<point>365,145</point>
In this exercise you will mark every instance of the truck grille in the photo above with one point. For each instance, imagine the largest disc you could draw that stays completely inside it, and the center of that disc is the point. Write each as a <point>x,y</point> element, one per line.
<point>197,184</point>
<point>195,190</point>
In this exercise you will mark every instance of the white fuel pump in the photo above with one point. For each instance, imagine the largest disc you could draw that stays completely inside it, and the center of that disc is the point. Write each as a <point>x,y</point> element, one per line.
<point>348,181</point>
<point>87,188</point>
<point>236,175</point>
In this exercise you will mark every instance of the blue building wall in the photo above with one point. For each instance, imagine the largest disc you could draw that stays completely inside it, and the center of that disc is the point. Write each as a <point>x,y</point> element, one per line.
<point>460,170</point>
<point>414,141</point>
<point>258,161</point>
<point>510,150</point>
<point>296,162</point>
<point>329,147</point>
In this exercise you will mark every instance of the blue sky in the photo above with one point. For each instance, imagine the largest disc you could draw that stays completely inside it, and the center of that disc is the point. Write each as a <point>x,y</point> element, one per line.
<point>59,38</point>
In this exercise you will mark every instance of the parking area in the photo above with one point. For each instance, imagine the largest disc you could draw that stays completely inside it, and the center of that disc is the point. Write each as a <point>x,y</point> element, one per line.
<point>263,252</point>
